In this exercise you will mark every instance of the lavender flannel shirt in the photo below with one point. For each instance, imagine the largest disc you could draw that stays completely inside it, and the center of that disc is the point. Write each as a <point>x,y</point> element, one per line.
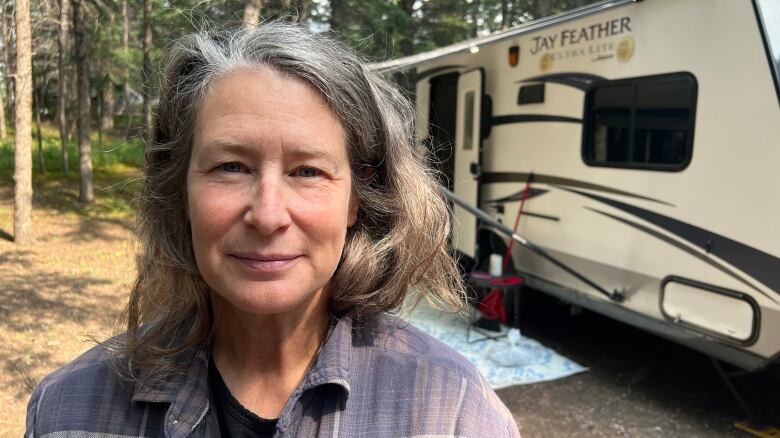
<point>387,379</point>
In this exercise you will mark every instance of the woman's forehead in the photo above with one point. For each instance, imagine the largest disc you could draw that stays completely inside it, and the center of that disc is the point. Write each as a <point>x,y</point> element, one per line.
<point>261,107</point>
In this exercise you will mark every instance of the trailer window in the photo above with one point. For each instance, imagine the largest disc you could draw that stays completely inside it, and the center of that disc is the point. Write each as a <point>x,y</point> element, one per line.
<point>641,123</point>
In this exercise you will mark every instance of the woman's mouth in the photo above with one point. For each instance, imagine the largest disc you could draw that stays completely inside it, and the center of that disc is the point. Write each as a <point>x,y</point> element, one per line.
<point>265,263</point>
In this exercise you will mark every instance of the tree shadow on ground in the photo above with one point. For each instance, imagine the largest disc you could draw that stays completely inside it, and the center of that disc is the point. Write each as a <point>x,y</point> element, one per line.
<point>111,206</point>
<point>19,257</point>
<point>113,202</point>
<point>97,229</point>
<point>66,298</point>
<point>31,306</point>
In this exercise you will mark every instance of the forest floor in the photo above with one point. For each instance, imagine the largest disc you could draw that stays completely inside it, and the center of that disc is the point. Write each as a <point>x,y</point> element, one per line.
<point>65,291</point>
<point>60,295</point>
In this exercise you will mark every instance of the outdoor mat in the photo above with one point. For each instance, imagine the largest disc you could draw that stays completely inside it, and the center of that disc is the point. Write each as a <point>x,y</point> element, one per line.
<point>507,361</point>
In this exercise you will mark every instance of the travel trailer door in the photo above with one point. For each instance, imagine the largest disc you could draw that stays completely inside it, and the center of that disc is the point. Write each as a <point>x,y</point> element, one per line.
<point>468,141</point>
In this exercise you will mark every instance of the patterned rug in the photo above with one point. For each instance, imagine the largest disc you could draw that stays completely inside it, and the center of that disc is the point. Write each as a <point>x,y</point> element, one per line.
<point>507,361</point>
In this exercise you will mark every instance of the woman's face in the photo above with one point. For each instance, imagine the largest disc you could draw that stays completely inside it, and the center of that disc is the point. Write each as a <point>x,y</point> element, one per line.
<point>269,192</point>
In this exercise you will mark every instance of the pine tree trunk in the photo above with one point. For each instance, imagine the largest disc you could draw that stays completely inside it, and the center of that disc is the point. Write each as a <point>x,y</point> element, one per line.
<point>541,9</point>
<point>301,9</point>
<point>337,15</point>
<point>3,130</point>
<point>126,48</point>
<point>128,111</point>
<point>107,110</point>
<point>23,231</point>
<point>37,109</point>
<point>505,19</point>
<point>475,5</point>
<point>3,41</point>
<point>100,121</point>
<point>147,69</point>
<point>62,84</point>
<point>295,10</point>
<point>407,44</point>
<point>252,10</point>
<point>86,192</point>
<point>73,94</point>
<point>9,55</point>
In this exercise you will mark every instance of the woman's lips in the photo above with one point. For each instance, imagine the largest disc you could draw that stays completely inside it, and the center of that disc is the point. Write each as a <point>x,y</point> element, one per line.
<point>265,263</point>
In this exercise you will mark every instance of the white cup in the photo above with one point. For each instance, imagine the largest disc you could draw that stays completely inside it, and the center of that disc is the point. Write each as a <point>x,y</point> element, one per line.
<point>496,260</point>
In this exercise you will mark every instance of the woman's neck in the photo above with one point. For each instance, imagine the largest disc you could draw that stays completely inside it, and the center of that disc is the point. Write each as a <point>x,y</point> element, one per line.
<point>263,358</point>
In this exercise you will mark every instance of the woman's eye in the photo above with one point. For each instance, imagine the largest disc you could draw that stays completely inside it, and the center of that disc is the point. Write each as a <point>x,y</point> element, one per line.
<point>231,167</point>
<point>307,172</point>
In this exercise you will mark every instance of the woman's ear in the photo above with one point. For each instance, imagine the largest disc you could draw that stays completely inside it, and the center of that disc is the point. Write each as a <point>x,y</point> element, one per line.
<point>366,175</point>
<point>354,205</point>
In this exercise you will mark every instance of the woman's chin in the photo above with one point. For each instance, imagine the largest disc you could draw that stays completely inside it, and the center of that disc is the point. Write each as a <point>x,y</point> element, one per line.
<point>270,302</point>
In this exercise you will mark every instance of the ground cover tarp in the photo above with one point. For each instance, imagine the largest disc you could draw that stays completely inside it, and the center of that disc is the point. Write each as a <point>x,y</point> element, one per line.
<point>508,361</point>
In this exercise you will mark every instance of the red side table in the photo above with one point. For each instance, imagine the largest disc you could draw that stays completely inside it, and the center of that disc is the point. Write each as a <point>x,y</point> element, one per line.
<point>485,283</point>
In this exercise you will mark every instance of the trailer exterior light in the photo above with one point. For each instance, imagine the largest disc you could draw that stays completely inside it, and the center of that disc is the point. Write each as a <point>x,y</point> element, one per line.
<point>514,55</point>
<point>473,49</point>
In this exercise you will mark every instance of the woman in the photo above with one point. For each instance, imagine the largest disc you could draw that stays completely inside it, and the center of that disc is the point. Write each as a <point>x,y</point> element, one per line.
<point>283,213</point>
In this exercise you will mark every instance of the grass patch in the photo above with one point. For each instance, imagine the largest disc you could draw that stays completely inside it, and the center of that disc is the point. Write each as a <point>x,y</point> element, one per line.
<point>116,174</point>
<point>111,152</point>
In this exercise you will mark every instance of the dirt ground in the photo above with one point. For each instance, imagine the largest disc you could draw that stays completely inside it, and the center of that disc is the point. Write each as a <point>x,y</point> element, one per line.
<point>638,385</point>
<point>68,287</point>
<point>58,294</point>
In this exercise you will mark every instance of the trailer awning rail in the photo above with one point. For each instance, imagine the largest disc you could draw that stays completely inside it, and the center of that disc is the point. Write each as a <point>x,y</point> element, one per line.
<point>615,295</point>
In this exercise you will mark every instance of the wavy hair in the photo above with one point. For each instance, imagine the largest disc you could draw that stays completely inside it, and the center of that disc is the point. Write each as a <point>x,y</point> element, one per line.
<point>398,246</point>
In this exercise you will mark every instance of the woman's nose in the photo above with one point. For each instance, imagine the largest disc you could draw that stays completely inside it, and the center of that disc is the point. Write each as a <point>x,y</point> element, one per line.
<point>269,209</point>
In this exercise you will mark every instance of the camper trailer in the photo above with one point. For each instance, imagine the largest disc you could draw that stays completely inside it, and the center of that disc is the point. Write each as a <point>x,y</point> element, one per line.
<point>645,137</point>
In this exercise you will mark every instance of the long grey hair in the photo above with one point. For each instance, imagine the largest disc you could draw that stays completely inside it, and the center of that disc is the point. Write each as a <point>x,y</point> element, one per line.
<point>398,245</point>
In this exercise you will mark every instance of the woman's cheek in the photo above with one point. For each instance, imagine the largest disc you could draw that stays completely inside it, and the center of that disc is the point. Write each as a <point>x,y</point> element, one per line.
<point>319,196</point>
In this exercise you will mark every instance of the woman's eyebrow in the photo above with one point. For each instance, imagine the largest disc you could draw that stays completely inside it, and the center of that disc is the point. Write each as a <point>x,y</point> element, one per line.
<point>309,153</point>
<point>290,152</point>
<point>225,145</point>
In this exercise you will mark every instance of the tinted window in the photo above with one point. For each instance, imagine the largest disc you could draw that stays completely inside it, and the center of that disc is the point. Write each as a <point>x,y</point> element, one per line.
<point>468,121</point>
<point>640,122</point>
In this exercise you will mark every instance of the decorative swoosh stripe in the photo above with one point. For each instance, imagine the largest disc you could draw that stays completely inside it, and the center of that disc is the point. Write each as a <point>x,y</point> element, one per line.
<point>526,118</point>
<point>503,177</point>
<point>758,264</point>
<point>541,216</point>
<point>581,81</point>
<point>683,247</point>
<point>515,197</point>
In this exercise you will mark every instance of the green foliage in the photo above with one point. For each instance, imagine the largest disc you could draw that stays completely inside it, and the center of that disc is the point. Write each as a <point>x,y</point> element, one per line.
<point>380,29</point>
<point>441,23</point>
<point>376,28</point>
<point>113,156</point>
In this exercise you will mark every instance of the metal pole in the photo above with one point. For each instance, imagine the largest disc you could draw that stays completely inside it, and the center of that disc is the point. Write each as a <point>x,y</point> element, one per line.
<point>486,218</point>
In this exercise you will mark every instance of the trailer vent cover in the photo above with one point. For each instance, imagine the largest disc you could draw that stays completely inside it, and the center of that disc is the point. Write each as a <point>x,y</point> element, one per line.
<point>531,94</point>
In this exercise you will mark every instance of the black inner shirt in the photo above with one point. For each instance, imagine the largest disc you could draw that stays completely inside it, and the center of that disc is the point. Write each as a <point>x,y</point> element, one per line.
<point>235,421</point>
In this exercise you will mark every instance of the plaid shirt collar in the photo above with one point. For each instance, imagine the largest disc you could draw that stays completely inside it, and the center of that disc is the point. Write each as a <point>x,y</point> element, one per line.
<point>188,393</point>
